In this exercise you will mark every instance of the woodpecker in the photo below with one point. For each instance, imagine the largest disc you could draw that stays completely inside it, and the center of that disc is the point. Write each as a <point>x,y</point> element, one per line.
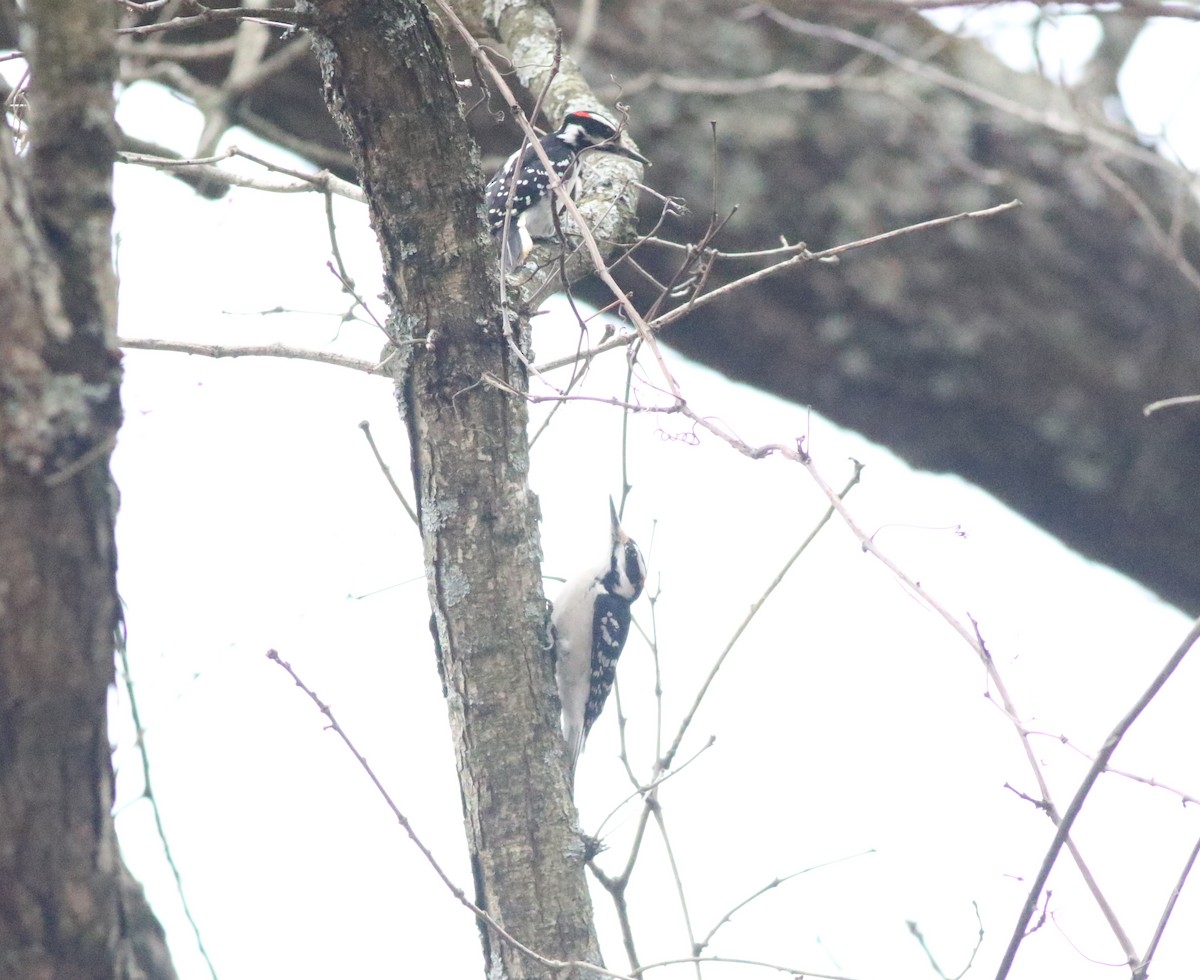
<point>591,622</point>
<point>529,212</point>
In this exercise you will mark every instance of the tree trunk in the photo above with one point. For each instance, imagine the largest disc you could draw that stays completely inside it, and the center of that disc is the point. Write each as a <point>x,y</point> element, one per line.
<point>388,85</point>
<point>68,908</point>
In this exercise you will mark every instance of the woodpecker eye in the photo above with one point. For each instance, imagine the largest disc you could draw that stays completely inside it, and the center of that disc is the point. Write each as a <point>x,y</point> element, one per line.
<point>633,564</point>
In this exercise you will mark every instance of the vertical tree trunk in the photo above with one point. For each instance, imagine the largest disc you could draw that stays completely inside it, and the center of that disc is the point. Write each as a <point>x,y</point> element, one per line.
<point>420,170</point>
<point>67,905</point>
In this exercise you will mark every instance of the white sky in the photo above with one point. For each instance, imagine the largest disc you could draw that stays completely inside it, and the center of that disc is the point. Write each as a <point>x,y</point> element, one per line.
<point>849,718</point>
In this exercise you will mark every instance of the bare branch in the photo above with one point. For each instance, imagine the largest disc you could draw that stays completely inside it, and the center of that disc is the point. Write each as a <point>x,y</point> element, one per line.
<point>494,382</point>
<point>1114,138</point>
<point>825,255</point>
<point>323,181</point>
<point>432,861</point>
<point>148,794</point>
<point>660,820</point>
<point>770,886</point>
<point>658,781</point>
<point>1081,794</point>
<point>270,16</point>
<point>1143,968</point>
<point>387,474</point>
<point>797,972</point>
<point>802,258</point>
<point>783,79</point>
<point>1161,403</point>
<point>1184,798</point>
<point>915,930</point>
<point>973,639</point>
<point>1166,242</point>
<point>665,761</point>
<point>263,350</point>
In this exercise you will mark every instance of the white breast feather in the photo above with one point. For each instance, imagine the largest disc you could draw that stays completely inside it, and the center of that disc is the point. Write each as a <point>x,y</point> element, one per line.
<point>572,618</point>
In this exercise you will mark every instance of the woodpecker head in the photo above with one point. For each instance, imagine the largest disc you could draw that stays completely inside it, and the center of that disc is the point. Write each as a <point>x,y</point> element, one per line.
<point>591,131</point>
<point>626,568</point>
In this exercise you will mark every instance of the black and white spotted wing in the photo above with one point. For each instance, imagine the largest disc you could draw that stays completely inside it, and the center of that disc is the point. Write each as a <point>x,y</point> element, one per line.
<point>531,185</point>
<point>529,214</point>
<point>610,629</point>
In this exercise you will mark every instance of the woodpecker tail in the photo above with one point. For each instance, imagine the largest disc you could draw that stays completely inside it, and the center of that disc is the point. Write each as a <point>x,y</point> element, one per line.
<point>574,740</point>
<point>513,248</point>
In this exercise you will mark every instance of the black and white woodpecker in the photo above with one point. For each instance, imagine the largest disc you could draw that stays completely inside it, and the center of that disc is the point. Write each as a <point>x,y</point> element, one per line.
<point>591,620</point>
<point>519,200</point>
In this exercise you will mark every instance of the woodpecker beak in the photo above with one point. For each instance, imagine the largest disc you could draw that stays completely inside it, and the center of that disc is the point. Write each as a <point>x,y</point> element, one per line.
<point>618,534</point>
<point>624,151</point>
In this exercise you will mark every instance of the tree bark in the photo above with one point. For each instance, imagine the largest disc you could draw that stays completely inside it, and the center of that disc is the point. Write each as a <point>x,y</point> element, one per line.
<point>1017,353</point>
<point>68,908</point>
<point>388,85</point>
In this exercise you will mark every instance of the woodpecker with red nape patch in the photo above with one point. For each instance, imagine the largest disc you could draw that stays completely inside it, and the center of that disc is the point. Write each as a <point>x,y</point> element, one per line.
<point>519,199</point>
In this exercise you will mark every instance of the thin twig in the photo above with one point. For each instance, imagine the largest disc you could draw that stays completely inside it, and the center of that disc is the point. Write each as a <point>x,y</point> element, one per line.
<point>271,17</point>
<point>1081,794</point>
<point>1168,247</point>
<point>221,47</point>
<point>1144,967</point>
<point>323,181</point>
<point>432,861</point>
<point>665,761</point>
<point>1098,134</point>
<point>769,886</point>
<point>803,258</point>
<point>351,290</point>
<point>616,887</point>
<point>1048,806</point>
<point>148,793</point>
<point>1153,407</point>
<point>915,930</point>
<point>258,350</point>
<point>492,381</point>
<point>796,972</point>
<point>796,453</point>
<point>661,778</point>
<point>974,641</point>
<point>387,473</point>
<point>1184,797</point>
<point>660,820</point>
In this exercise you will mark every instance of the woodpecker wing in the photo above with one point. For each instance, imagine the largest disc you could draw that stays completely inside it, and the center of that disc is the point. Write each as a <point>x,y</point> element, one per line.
<point>610,629</point>
<point>496,201</point>
<point>520,189</point>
